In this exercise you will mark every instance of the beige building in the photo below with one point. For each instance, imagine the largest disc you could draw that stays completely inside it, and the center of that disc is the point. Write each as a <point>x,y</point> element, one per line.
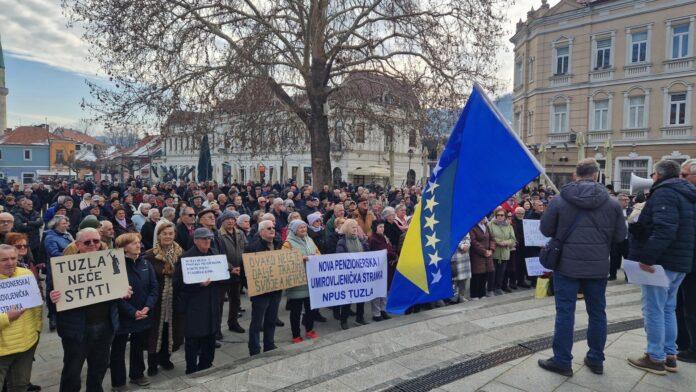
<point>610,79</point>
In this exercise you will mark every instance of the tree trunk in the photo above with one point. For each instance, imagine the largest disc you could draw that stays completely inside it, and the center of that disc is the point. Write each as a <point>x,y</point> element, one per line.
<point>320,144</point>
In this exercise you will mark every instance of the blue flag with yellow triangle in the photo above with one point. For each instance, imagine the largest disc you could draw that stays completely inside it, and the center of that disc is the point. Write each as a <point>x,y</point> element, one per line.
<point>483,163</point>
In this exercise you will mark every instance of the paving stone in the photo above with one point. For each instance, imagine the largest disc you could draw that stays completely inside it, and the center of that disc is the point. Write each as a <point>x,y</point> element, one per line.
<point>331,385</point>
<point>513,318</point>
<point>476,381</point>
<point>643,387</point>
<point>374,375</point>
<point>498,387</point>
<point>426,358</point>
<point>570,387</point>
<point>529,376</point>
<point>618,376</point>
<point>627,345</point>
<point>472,344</point>
<point>684,380</point>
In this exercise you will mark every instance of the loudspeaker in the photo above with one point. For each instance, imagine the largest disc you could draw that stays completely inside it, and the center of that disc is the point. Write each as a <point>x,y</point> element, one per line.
<point>639,184</point>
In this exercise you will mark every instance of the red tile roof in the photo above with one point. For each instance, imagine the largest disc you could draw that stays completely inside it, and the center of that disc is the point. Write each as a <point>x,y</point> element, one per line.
<point>26,136</point>
<point>78,137</point>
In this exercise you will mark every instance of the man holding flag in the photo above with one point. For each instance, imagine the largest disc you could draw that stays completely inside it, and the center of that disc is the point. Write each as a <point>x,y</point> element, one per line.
<point>468,182</point>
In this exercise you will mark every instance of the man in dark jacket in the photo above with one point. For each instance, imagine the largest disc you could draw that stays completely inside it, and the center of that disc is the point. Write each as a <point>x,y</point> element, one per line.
<point>29,222</point>
<point>234,242</point>
<point>686,306</point>
<point>584,263</point>
<point>200,304</point>
<point>184,229</point>
<point>264,307</point>
<point>665,237</point>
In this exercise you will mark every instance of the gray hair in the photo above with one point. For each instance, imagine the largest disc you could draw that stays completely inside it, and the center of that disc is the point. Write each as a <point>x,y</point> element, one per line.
<point>267,216</point>
<point>61,199</point>
<point>151,213</point>
<point>5,247</point>
<point>277,201</point>
<point>667,168</point>
<point>81,233</point>
<point>167,211</point>
<point>399,208</point>
<point>263,225</point>
<point>6,215</point>
<point>690,165</point>
<point>141,206</point>
<point>56,220</point>
<point>587,168</point>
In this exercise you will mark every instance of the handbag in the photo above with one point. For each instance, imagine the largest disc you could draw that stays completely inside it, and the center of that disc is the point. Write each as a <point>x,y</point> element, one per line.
<point>550,254</point>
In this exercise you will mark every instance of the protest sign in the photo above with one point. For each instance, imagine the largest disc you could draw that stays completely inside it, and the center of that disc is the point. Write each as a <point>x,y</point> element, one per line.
<point>19,293</point>
<point>346,278</point>
<point>534,267</point>
<point>201,268</point>
<point>532,234</point>
<point>636,275</point>
<point>274,270</point>
<point>89,278</point>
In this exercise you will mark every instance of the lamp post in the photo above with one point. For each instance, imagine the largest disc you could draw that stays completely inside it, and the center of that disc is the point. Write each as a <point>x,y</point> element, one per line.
<point>410,157</point>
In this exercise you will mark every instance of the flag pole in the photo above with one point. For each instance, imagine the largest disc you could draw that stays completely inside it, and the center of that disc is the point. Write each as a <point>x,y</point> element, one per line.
<point>546,176</point>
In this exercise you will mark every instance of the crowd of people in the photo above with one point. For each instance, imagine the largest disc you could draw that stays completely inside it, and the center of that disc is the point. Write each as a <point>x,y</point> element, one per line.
<point>158,225</point>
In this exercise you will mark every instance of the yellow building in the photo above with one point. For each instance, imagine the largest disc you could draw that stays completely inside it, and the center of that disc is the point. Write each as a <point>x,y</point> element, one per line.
<point>610,79</point>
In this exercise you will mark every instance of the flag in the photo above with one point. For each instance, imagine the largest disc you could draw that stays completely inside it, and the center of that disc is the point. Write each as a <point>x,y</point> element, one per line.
<point>483,163</point>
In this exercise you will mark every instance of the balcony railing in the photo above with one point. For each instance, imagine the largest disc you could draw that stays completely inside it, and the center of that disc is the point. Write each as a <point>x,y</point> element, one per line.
<point>559,137</point>
<point>678,65</point>
<point>635,134</point>
<point>560,80</point>
<point>601,74</point>
<point>676,132</point>
<point>637,70</point>
<point>599,136</point>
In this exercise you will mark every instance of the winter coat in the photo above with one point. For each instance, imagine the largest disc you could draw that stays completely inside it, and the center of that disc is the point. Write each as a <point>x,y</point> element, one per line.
<point>319,238</point>
<point>147,234</point>
<point>307,247</point>
<point>380,242</point>
<point>118,229</point>
<point>502,233</point>
<point>183,237</point>
<point>177,317</point>
<point>480,243</point>
<point>55,243</point>
<point>234,248</point>
<point>585,254</point>
<point>29,224</point>
<point>666,228</point>
<point>21,334</point>
<point>342,248</point>
<point>142,279</point>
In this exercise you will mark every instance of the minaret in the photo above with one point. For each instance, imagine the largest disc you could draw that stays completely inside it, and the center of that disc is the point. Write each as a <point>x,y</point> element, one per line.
<point>3,93</point>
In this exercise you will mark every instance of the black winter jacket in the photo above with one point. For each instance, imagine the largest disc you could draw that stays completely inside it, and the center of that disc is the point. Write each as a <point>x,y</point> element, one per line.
<point>666,228</point>
<point>586,251</point>
<point>143,281</point>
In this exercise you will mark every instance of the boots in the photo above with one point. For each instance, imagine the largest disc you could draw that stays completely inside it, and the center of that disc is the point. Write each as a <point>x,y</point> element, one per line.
<point>165,362</point>
<point>152,362</point>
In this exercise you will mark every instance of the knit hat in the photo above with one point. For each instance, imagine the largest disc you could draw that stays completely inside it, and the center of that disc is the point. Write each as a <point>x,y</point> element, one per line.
<point>313,217</point>
<point>227,215</point>
<point>294,225</point>
<point>89,221</point>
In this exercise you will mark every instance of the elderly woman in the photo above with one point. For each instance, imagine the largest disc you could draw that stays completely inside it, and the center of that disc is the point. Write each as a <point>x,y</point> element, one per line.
<point>140,216</point>
<point>169,213</point>
<point>503,235</point>
<point>401,219</point>
<point>122,224</point>
<point>461,269</point>
<point>166,333</point>
<point>351,243</point>
<point>481,256</point>
<point>134,315</point>
<point>316,230</point>
<point>378,241</point>
<point>86,201</point>
<point>298,297</point>
<point>291,217</point>
<point>58,238</point>
<point>391,228</point>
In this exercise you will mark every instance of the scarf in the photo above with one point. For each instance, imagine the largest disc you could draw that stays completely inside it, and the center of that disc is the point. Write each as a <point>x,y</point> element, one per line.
<point>169,257</point>
<point>304,244</point>
<point>353,243</point>
<point>122,222</point>
<point>315,229</point>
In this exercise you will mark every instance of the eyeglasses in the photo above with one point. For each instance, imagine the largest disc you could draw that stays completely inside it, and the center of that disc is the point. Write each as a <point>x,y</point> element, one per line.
<point>91,242</point>
<point>270,228</point>
<point>18,246</point>
<point>189,214</point>
<point>6,222</point>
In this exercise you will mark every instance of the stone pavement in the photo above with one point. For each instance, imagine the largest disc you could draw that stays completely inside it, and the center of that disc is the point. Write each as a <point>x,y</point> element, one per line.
<point>381,355</point>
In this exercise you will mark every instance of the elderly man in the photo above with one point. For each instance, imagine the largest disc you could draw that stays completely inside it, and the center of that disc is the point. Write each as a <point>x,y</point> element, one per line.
<point>19,330</point>
<point>29,222</point>
<point>278,211</point>
<point>234,242</point>
<point>200,304</point>
<point>86,333</point>
<point>6,224</point>
<point>184,229</point>
<point>665,236</point>
<point>686,305</point>
<point>106,231</point>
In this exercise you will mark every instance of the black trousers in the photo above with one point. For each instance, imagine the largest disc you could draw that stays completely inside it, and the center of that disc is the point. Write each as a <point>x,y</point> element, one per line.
<point>296,306</point>
<point>477,287</point>
<point>686,314</point>
<point>118,357</point>
<point>233,295</point>
<point>520,270</point>
<point>500,268</point>
<point>93,348</point>
<point>163,355</point>
<point>199,352</point>
<point>359,311</point>
<point>264,313</point>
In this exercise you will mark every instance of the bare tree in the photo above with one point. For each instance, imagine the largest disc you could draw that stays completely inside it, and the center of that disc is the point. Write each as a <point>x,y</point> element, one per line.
<point>121,135</point>
<point>192,55</point>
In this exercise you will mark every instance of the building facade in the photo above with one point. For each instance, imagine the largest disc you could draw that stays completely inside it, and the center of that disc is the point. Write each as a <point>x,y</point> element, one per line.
<point>3,92</point>
<point>24,154</point>
<point>609,79</point>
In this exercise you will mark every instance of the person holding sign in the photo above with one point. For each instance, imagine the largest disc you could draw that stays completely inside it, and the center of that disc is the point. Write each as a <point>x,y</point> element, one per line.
<point>134,315</point>
<point>351,243</point>
<point>200,305</point>
<point>298,297</point>
<point>19,329</point>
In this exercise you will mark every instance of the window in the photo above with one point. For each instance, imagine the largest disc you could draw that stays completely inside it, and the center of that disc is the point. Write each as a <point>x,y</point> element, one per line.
<point>530,124</point>
<point>27,155</point>
<point>0,154</point>
<point>637,166</point>
<point>388,139</point>
<point>360,133</point>
<point>27,178</point>
<point>412,138</point>
<point>680,41</point>
<point>517,123</point>
<point>187,142</point>
<point>78,147</point>
<point>603,54</point>
<point>59,157</point>
<point>601,115</point>
<point>639,47</point>
<point>562,60</point>
<point>560,118</point>
<point>677,109</point>
<point>518,73</point>
<point>636,112</point>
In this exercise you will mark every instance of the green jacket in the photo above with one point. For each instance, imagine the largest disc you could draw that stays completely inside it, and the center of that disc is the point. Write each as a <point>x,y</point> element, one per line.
<point>502,233</point>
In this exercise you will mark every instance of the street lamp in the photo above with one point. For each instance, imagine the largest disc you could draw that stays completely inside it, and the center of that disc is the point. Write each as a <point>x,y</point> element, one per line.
<point>410,156</point>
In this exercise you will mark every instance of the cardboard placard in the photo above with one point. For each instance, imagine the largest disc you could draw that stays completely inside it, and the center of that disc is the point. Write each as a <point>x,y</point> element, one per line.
<point>274,270</point>
<point>19,293</point>
<point>89,278</point>
<point>201,268</point>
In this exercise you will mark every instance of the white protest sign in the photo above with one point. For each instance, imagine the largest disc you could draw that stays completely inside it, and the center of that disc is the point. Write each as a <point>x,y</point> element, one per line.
<point>19,293</point>
<point>199,269</point>
<point>532,234</point>
<point>534,267</point>
<point>636,275</point>
<point>346,278</point>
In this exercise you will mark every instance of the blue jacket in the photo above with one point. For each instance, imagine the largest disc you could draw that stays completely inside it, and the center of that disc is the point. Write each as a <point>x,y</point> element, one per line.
<point>55,243</point>
<point>143,281</point>
<point>666,231</point>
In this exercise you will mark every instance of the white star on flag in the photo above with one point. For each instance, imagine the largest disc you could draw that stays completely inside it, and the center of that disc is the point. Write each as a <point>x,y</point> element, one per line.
<point>436,276</point>
<point>432,240</point>
<point>430,222</point>
<point>434,258</point>
<point>430,204</point>
<point>432,185</point>
<point>437,169</point>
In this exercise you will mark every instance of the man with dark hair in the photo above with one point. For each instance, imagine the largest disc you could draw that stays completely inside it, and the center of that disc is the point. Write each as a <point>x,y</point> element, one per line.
<point>686,305</point>
<point>665,237</point>
<point>28,221</point>
<point>590,221</point>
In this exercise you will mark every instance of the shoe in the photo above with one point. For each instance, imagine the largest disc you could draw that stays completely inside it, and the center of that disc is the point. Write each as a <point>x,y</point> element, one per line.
<point>361,321</point>
<point>319,318</point>
<point>671,363</point>
<point>122,388</point>
<point>270,348</point>
<point>279,323</point>
<point>612,278</point>
<point>377,319</point>
<point>513,287</point>
<point>385,315</point>
<point>463,299</point>
<point>687,356</point>
<point>647,364</point>
<point>239,315</point>
<point>297,340</point>
<point>235,327</point>
<point>242,310</point>
<point>581,296</point>
<point>594,368</point>
<point>218,344</point>
<point>344,325</point>
<point>152,371</point>
<point>507,290</point>
<point>218,336</point>
<point>141,381</point>
<point>33,388</point>
<point>167,365</point>
<point>498,292</point>
<point>311,334</point>
<point>524,286</point>
<point>550,365</point>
